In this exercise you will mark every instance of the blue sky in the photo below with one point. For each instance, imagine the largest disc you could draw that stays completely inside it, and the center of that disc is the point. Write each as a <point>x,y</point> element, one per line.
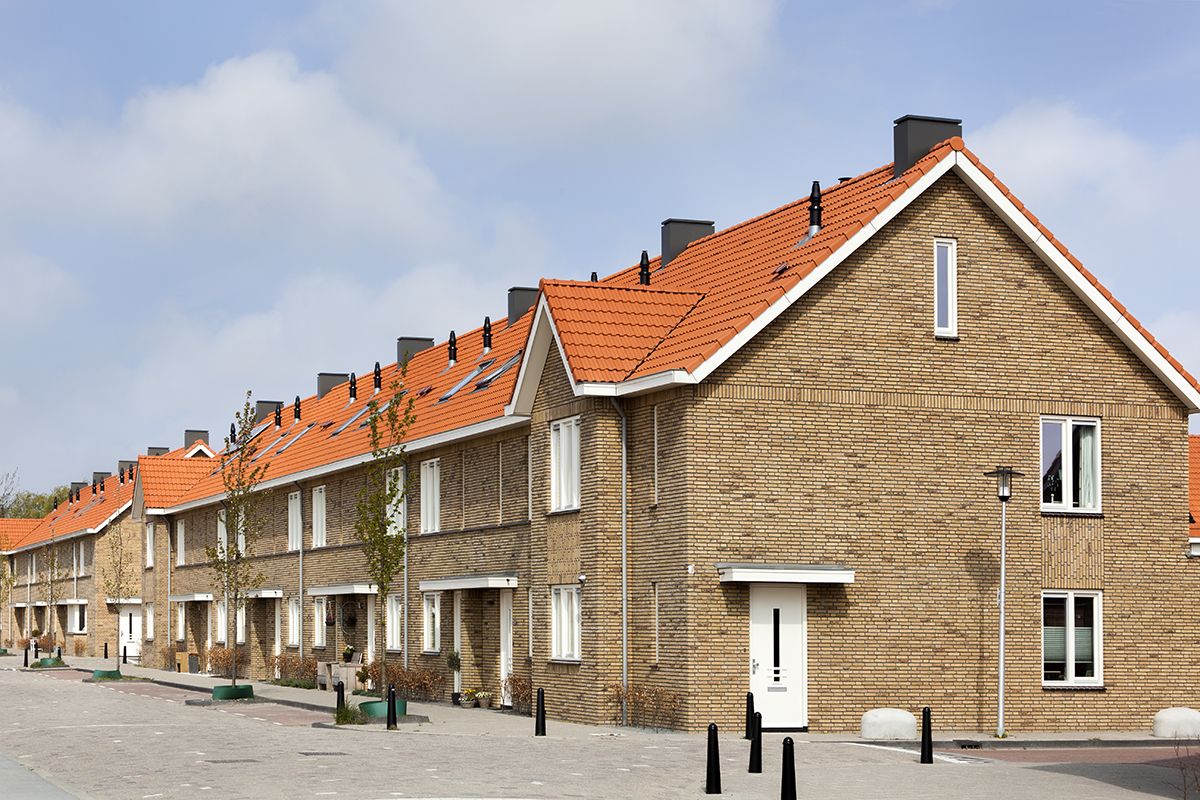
<point>199,200</point>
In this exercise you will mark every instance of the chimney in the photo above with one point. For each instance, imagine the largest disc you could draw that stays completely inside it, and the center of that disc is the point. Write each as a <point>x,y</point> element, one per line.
<point>157,451</point>
<point>327,380</point>
<point>408,346</point>
<point>677,234</point>
<point>122,466</point>
<point>913,136</point>
<point>98,477</point>
<point>190,437</point>
<point>76,486</point>
<point>265,408</point>
<point>520,300</point>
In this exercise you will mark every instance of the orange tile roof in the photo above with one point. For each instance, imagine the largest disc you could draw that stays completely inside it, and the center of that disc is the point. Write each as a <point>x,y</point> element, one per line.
<point>320,440</point>
<point>96,504</point>
<point>166,478</point>
<point>1194,482</point>
<point>14,529</point>
<point>738,273</point>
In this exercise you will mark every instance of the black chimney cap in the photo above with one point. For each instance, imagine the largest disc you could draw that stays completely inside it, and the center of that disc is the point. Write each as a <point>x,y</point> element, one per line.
<point>644,270</point>
<point>452,348</point>
<point>296,409</point>
<point>378,377</point>
<point>487,333</point>
<point>353,386</point>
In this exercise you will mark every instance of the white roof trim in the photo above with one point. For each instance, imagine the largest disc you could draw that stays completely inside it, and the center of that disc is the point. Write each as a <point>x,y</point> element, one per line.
<point>263,594</point>
<point>506,580</point>
<point>123,601</point>
<point>74,534</point>
<point>537,348</point>
<point>200,447</point>
<point>21,604</point>
<point>417,445</point>
<point>343,588</point>
<point>194,597</point>
<point>784,573</point>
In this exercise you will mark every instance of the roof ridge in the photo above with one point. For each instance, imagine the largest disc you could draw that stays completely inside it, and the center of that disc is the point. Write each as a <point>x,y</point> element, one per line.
<point>616,287</point>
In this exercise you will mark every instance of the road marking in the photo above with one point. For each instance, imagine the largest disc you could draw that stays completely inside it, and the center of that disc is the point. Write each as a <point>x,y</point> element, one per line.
<point>906,751</point>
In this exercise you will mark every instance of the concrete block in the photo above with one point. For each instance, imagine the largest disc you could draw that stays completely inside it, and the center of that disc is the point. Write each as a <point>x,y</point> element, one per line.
<point>889,723</point>
<point>1177,723</point>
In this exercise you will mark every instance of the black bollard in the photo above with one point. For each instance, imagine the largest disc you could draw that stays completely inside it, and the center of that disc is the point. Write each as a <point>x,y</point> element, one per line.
<point>391,708</point>
<point>712,777</point>
<point>58,653</point>
<point>36,651</point>
<point>124,655</point>
<point>926,737</point>
<point>749,715</point>
<point>756,744</point>
<point>26,656</point>
<point>787,783</point>
<point>341,695</point>
<point>539,724</point>
<point>106,650</point>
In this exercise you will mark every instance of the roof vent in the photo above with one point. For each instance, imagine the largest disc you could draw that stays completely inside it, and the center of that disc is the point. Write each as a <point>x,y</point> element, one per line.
<point>644,269</point>
<point>452,348</point>
<point>677,234</point>
<point>124,465</point>
<point>278,416</point>
<point>265,408</point>
<point>913,136</point>
<point>327,380</point>
<point>814,214</point>
<point>99,477</point>
<point>595,277</point>
<point>353,387</point>
<point>157,451</point>
<point>296,409</point>
<point>520,300</point>
<point>487,335</point>
<point>378,377</point>
<point>408,346</point>
<point>190,437</point>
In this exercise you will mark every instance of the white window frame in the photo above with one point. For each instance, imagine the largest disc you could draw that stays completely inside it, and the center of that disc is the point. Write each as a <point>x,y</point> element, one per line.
<point>319,534</point>
<point>566,622</point>
<point>239,623</point>
<point>319,621</point>
<point>394,622</point>
<point>180,621</point>
<point>1097,632</point>
<point>149,545</point>
<point>180,540</point>
<point>431,613</point>
<point>564,464</point>
<point>431,496</point>
<point>222,532</point>
<point>950,330</point>
<point>73,625</point>
<point>398,513</point>
<point>295,523</point>
<point>294,622</point>
<point>1068,467</point>
<point>149,615</point>
<point>222,620</point>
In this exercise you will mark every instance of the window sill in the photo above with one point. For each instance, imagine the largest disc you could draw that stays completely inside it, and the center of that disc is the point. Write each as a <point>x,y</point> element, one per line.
<point>1071,512</point>
<point>431,652</point>
<point>568,661</point>
<point>562,512</point>
<point>945,337</point>
<point>1067,687</point>
<point>395,651</point>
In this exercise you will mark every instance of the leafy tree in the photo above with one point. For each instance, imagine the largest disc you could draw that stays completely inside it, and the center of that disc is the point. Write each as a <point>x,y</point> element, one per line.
<point>382,494</point>
<point>31,505</point>
<point>231,557</point>
<point>119,573</point>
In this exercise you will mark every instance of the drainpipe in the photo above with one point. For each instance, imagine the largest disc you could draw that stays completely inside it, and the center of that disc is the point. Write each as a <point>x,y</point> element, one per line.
<point>624,562</point>
<point>170,564</point>
<point>403,499</point>
<point>301,557</point>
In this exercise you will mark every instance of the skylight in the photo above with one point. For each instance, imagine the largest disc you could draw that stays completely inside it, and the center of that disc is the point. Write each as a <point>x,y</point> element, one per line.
<point>488,379</point>
<point>470,377</point>
<point>296,438</point>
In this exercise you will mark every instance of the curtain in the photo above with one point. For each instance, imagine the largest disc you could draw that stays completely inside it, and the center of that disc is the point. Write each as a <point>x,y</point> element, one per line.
<point>1086,467</point>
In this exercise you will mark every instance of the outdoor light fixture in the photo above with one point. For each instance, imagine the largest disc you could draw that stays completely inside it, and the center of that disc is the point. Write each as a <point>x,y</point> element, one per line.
<point>1003,476</point>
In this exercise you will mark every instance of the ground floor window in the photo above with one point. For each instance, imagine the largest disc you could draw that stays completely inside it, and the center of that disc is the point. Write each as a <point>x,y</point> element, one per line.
<point>394,625</point>
<point>319,622</point>
<point>1071,638</point>
<point>565,622</point>
<point>180,621</point>
<point>222,621</point>
<point>294,622</point>
<point>149,620</point>
<point>77,619</point>
<point>433,623</point>
<point>239,623</point>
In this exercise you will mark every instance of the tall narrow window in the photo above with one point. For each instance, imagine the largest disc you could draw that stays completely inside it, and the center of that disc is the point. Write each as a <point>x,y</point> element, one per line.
<point>318,516</point>
<point>433,623</point>
<point>293,521</point>
<point>398,513</point>
<point>180,559</point>
<point>239,623</point>
<point>240,523</point>
<point>149,545</point>
<point>1070,464</point>
<point>565,622</point>
<point>180,621</point>
<point>945,288</point>
<point>431,496</point>
<point>1071,640</point>
<point>222,620</point>
<point>149,620</point>
<point>319,622</point>
<point>222,533</point>
<point>564,464</point>
<point>395,622</point>
<point>654,586</point>
<point>294,622</point>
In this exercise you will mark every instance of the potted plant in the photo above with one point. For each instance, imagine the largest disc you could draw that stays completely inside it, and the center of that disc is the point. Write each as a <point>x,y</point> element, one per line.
<point>484,698</point>
<point>468,698</point>
<point>348,653</point>
<point>454,662</point>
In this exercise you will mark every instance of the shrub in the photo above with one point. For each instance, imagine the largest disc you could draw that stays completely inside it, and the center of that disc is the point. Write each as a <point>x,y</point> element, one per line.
<point>79,646</point>
<point>294,670</point>
<point>166,657</point>
<point>23,643</point>
<point>45,642</point>
<point>349,715</point>
<point>220,661</point>
<point>520,690</point>
<point>411,684</point>
<point>648,706</point>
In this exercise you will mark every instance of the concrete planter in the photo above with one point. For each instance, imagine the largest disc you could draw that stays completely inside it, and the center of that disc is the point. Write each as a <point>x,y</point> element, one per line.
<point>377,709</point>
<point>243,692</point>
<point>106,674</point>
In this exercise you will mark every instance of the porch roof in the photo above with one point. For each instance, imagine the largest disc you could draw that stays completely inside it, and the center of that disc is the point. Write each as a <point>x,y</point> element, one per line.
<point>493,580</point>
<point>784,573</point>
<point>343,588</point>
<point>263,594</point>
<point>194,597</point>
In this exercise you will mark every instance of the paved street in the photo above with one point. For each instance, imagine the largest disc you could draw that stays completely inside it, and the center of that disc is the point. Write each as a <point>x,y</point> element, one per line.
<point>140,740</point>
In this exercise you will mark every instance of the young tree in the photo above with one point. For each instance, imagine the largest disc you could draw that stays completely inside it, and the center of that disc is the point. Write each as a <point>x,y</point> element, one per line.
<point>231,558</point>
<point>380,498</point>
<point>119,572</point>
<point>52,572</point>
<point>8,490</point>
<point>7,581</point>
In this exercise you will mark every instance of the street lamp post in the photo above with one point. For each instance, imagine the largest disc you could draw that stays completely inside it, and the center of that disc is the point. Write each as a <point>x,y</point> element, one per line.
<point>1003,476</point>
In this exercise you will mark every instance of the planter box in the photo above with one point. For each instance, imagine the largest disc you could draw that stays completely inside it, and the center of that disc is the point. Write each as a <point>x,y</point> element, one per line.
<point>243,692</point>
<point>377,709</point>
<point>106,674</point>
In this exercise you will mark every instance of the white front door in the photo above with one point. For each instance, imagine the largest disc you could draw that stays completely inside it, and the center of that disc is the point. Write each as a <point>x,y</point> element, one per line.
<point>370,656</point>
<point>278,643</point>
<point>779,654</point>
<point>131,631</point>
<point>506,653</point>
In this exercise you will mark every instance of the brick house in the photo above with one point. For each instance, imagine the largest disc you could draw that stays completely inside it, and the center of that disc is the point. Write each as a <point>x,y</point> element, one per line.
<point>754,463</point>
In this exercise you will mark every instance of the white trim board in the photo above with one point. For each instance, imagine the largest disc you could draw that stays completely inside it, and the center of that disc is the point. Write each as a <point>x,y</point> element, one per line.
<point>343,588</point>
<point>263,594</point>
<point>784,573</point>
<point>123,601</point>
<point>194,597</point>
<point>74,534</point>
<point>506,580</point>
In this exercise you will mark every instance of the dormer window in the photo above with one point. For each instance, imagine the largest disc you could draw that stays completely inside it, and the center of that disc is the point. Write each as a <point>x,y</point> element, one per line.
<point>945,288</point>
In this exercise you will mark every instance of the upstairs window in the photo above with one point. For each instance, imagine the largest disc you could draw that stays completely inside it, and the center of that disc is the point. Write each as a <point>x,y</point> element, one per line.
<point>564,464</point>
<point>318,516</point>
<point>222,533</point>
<point>398,513</point>
<point>180,560</point>
<point>1070,464</point>
<point>431,496</point>
<point>1071,639</point>
<point>149,545</point>
<point>945,288</point>
<point>293,521</point>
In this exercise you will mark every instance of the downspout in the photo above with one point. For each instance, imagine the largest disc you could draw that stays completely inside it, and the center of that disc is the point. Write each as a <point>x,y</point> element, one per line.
<point>170,564</point>
<point>301,576</point>
<point>624,564</point>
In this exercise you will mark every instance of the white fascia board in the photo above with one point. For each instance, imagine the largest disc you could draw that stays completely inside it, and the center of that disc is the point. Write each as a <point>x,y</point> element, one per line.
<point>783,573</point>
<point>504,581</point>
<point>1085,289</point>
<point>802,288</point>
<point>123,601</point>
<point>66,537</point>
<point>647,383</point>
<point>417,445</point>
<point>117,513</point>
<point>537,350</point>
<point>343,588</point>
<point>263,594</point>
<point>74,601</point>
<point>194,597</point>
<point>199,448</point>
<point>20,604</point>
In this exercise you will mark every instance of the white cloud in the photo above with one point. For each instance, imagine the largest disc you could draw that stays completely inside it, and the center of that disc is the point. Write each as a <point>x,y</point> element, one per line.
<point>541,71</point>
<point>35,290</point>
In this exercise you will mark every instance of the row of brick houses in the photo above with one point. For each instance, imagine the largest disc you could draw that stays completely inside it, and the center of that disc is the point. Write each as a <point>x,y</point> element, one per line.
<point>754,463</point>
